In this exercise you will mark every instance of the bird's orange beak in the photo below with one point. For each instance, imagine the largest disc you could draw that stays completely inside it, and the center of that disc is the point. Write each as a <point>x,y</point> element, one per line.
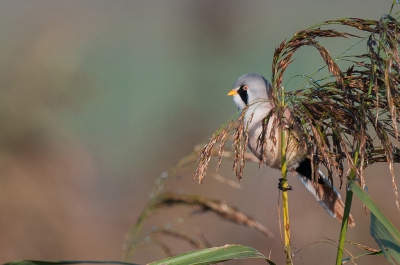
<point>232,92</point>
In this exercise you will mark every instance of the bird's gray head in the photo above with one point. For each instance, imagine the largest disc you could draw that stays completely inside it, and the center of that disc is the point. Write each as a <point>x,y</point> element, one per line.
<point>250,88</point>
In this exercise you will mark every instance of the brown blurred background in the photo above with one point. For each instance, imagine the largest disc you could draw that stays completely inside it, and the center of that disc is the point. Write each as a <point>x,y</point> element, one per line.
<point>98,98</point>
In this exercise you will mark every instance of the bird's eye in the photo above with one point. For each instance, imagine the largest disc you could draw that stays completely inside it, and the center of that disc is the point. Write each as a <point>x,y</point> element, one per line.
<point>245,87</point>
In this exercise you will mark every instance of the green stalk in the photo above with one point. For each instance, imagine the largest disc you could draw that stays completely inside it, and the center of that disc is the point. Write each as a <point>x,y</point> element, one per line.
<point>343,230</point>
<point>347,206</point>
<point>391,8</point>
<point>285,199</point>
<point>349,196</point>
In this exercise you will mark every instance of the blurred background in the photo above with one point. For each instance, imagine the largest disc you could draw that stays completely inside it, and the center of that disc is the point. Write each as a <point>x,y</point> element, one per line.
<point>98,98</point>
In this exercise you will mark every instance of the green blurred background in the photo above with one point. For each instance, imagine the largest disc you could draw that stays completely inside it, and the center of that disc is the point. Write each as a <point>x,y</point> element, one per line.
<point>98,98</point>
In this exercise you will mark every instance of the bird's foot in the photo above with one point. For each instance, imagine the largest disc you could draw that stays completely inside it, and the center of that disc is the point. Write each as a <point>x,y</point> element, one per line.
<point>280,185</point>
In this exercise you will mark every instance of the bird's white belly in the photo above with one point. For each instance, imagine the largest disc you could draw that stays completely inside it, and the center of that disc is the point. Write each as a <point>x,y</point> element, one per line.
<point>272,143</point>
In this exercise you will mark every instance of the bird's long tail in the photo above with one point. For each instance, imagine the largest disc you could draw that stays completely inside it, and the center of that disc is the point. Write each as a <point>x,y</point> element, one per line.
<point>323,191</point>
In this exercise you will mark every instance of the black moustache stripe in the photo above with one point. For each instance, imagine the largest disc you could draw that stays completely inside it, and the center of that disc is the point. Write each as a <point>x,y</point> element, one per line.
<point>243,95</point>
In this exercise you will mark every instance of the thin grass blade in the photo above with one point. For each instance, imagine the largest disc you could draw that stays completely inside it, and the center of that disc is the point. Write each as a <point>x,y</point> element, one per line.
<point>66,262</point>
<point>214,255</point>
<point>382,230</point>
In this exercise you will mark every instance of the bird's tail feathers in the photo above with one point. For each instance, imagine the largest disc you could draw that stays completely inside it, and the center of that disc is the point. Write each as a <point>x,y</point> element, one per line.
<point>323,191</point>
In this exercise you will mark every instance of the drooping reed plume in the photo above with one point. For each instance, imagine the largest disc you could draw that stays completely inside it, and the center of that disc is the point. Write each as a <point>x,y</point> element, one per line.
<point>351,109</point>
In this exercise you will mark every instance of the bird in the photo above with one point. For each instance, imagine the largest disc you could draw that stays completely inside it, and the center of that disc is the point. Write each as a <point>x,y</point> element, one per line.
<point>253,93</point>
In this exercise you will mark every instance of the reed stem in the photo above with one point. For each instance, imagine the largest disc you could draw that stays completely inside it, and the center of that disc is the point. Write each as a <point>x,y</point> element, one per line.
<point>285,199</point>
<point>347,206</point>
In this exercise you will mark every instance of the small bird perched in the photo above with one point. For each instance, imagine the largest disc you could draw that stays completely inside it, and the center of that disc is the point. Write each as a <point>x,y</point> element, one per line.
<point>255,92</point>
